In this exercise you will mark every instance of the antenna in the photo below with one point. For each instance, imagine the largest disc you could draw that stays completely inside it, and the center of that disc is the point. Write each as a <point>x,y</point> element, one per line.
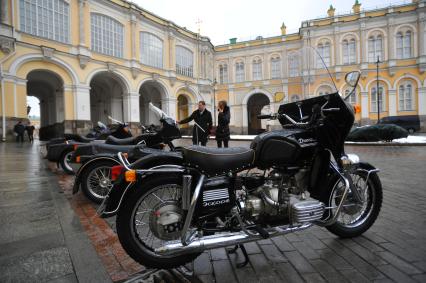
<point>198,22</point>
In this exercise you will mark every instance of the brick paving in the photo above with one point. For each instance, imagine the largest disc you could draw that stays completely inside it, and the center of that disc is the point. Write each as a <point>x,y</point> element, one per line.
<point>393,250</point>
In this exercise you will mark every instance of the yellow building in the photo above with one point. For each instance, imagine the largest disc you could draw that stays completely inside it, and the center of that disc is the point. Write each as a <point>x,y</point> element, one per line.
<point>273,70</point>
<point>88,59</point>
<point>85,60</point>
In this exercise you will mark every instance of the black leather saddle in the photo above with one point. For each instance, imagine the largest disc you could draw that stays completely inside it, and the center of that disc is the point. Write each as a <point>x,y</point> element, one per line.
<point>117,141</point>
<point>78,138</point>
<point>95,148</point>
<point>217,161</point>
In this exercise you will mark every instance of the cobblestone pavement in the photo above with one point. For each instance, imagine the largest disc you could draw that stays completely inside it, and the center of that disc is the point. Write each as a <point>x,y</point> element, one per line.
<point>394,249</point>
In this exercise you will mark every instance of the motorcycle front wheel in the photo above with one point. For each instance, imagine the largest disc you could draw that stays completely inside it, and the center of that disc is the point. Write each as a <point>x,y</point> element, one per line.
<point>356,218</point>
<point>149,217</point>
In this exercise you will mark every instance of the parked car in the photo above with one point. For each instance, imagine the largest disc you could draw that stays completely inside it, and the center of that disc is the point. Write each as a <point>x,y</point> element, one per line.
<point>409,122</point>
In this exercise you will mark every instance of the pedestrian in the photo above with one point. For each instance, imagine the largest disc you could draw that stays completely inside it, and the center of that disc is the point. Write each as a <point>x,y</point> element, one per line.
<point>19,130</point>
<point>223,119</point>
<point>30,131</point>
<point>203,119</point>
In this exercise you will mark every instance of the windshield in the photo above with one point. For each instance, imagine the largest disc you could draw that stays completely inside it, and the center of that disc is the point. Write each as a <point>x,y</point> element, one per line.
<point>157,111</point>
<point>308,72</point>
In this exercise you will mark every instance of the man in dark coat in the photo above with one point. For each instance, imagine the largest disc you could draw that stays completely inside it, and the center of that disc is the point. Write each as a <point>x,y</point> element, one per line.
<point>30,131</point>
<point>203,118</point>
<point>19,129</point>
<point>222,130</point>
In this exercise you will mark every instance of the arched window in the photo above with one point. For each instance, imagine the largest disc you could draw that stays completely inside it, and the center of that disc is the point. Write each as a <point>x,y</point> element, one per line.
<point>223,74</point>
<point>403,45</point>
<point>324,51</point>
<point>405,94</point>
<point>49,19</point>
<point>374,99</point>
<point>349,51</point>
<point>239,72</point>
<point>275,67</point>
<point>293,66</point>
<point>323,90</point>
<point>352,99</point>
<point>375,48</point>
<point>184,61</point>
<point>151,48</point>
<point>107,35</point>
<point>257,69</point>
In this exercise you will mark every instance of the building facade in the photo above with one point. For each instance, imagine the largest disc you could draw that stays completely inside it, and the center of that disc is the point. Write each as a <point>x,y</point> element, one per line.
<point>86,60</point>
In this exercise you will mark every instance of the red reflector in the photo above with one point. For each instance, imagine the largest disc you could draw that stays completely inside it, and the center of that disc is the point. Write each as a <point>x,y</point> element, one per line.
<point>115,172</point>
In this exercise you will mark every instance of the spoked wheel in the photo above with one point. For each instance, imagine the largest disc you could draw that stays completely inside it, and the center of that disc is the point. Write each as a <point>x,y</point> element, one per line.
<point>96,181</point>
<point>66,160</point>
<point>151,216</point>
<point>356,217</point>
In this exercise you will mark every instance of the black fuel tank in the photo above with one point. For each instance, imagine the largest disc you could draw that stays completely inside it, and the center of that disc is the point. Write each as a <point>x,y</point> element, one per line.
<point>288,147</point>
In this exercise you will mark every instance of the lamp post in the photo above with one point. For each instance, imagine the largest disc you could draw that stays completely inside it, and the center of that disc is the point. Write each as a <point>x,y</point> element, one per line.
<point>214,100</point>
<point>377,89</point>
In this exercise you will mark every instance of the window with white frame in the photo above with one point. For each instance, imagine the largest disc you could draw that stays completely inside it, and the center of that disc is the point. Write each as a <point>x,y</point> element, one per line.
<point>239,72</point>
<point>352,98</point>
<point>324,51</point>
<point>375,48</point>
<point>151,47</point>
<point>107,35</point>
<point>275,67</point>
<point>349,51</point>
<point>405,94</point>
<point>403,44</point>
<point>257,69</point>
<point>45,18</point>
<point>223,73</point>
<point>184,61</point>
<point>374,99</point>
<point>323,90</point>
<point>293,66</point>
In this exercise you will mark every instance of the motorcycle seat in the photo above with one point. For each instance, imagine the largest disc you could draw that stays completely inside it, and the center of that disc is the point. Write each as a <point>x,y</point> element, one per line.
<point>117,141</point>
<point>92,149</point>
<point>78,138</point>
<point>217,161</point>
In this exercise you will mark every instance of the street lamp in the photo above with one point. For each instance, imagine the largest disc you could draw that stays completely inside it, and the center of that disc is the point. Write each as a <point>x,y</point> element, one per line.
<point>214,100</point>
<point>377,89</point>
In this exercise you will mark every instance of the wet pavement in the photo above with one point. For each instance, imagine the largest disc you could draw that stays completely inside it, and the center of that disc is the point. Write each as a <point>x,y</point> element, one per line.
<point>48,235</point>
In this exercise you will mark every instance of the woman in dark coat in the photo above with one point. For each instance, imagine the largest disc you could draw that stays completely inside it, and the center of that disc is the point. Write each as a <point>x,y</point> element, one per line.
<point>222,130</point>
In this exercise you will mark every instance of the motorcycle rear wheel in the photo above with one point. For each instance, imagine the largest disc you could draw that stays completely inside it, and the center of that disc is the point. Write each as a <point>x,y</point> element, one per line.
<point>126,222</point>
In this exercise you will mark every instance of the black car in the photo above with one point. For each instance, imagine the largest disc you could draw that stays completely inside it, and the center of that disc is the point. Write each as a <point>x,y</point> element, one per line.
<point>409,122</point>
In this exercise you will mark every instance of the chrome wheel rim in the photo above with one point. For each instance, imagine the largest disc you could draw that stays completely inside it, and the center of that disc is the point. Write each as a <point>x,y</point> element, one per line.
<point>67,160</point>
<point>353,215</point>
<point>144,212</point>
<point>99,182</point>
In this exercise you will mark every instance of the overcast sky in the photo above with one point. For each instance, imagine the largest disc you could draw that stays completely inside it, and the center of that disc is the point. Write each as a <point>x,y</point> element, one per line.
<point>246,19</point>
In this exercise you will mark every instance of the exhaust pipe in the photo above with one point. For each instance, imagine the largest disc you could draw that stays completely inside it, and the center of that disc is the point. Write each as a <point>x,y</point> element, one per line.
<point>223,240</point>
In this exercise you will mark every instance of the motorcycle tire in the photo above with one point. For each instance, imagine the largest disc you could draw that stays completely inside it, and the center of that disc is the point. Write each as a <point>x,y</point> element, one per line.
<point>127,236</point>
<point>64,163</point>
<point>344,231</point>
<point>87,188</point>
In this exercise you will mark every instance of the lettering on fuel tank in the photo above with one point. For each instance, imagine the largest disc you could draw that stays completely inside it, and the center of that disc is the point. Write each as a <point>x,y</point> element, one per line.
<point>309,140</point>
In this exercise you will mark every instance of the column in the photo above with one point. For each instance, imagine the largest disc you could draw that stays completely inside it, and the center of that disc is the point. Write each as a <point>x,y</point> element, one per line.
<point>68,104</point>
<point>4,11</point>
<point>133,36</point>
<point>131,107</point>
<point>82,102</point>
<point>245,119</point>
<point>172,62</point>
<point>392,102</point>
<point>422,100</point>
<point>364,105</point>
<point>168,105</point>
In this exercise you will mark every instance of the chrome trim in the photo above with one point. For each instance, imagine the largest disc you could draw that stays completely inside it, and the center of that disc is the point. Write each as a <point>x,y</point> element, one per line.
<point>100,211</point>
<point>223,240</point>
<point>188,219</point>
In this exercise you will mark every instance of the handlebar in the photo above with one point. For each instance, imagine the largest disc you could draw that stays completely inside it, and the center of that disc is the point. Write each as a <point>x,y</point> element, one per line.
<point>267,116</point>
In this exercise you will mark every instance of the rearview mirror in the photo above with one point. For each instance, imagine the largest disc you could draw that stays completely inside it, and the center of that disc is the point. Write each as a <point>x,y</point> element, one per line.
<point>352,78</point>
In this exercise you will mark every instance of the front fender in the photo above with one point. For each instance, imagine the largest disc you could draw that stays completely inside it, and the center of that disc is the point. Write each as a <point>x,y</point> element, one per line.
<point>96,158</point>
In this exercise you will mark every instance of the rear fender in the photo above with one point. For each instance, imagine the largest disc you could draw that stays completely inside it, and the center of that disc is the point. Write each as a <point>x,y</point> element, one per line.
<point>96,158</point>
<point>122,189</point>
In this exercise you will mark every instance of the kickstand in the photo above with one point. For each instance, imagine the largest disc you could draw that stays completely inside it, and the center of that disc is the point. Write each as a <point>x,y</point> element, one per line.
<point>243,250</point>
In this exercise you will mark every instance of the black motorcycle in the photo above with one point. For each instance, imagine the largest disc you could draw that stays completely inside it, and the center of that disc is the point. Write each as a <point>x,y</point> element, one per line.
<point>96,160</point>
<point>170,208</point>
